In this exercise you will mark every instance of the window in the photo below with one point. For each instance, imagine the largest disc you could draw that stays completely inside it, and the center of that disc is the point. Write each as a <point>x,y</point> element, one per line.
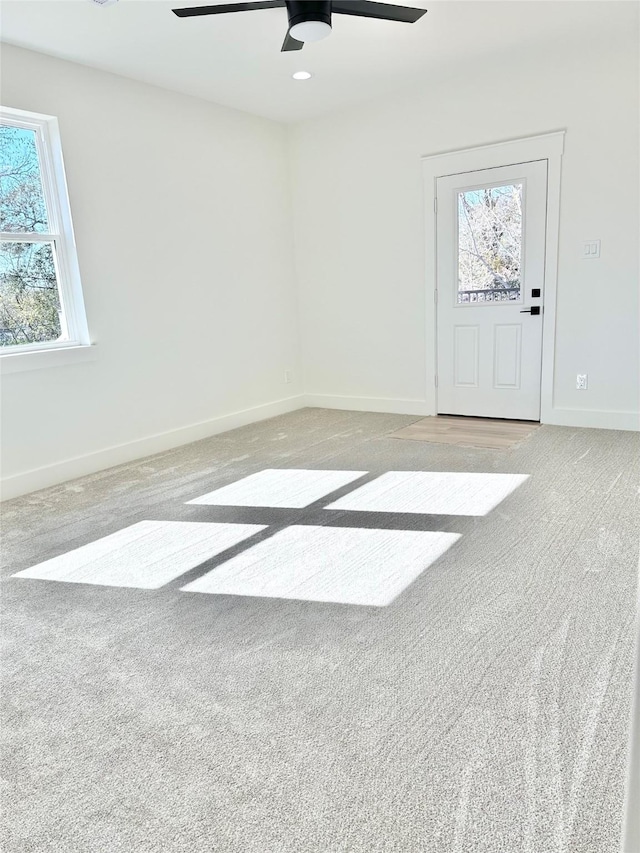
<point>489,244</point>
<point>41,305</point>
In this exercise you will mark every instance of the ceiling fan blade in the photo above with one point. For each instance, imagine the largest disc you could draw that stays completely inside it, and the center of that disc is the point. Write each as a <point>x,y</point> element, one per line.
<point>228,7</point>
<point>290,43</point>
<point>384,11</point>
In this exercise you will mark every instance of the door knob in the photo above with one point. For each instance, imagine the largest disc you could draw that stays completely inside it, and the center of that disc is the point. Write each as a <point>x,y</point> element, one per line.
<point>534,310</point>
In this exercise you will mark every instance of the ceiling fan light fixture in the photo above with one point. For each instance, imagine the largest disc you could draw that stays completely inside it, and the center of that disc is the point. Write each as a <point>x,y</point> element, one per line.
<point>310,20</point>
<point>310,30</point>
<point>302,75</point>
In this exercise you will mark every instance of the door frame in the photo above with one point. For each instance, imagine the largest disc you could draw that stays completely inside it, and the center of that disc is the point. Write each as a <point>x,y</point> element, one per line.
<point>546,146</point>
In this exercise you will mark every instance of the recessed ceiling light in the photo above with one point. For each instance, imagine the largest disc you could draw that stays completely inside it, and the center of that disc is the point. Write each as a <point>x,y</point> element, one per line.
<point>301,75</point>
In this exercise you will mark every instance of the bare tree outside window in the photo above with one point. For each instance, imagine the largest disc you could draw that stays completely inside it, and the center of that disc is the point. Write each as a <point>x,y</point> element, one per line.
<point>489,244</point>
<point>30,310</point>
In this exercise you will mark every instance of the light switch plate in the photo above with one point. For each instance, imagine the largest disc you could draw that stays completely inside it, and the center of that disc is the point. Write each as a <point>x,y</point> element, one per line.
<point>591,249</point>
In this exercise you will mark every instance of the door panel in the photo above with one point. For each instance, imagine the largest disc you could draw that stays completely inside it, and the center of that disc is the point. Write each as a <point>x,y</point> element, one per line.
<point>506,355</point>
<point>465,356</point>
<point>491,253</point>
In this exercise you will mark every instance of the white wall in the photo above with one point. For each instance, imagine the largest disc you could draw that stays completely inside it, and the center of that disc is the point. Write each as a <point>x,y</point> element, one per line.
<point>183,225</point>
<point>358,203</point>
<point>189,280</point>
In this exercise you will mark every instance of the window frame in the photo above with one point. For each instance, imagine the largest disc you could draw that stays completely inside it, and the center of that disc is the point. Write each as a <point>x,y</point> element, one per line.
<point>60,235</point>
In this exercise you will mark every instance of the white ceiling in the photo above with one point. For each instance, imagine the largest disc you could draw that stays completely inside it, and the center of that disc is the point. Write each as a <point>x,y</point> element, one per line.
<point>235,59</point>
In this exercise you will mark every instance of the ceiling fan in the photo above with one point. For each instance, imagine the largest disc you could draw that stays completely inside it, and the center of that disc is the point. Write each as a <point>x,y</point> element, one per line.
<point>310,20</point>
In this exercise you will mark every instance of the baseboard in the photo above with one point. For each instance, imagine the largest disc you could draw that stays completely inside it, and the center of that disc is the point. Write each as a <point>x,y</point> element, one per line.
<point>589,418</point>
<point>390,405</point>
<point>79,466</point>
<point>593,418</point>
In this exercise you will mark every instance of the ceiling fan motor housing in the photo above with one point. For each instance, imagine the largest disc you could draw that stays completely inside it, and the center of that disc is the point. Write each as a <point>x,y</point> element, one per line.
<point>300,11</point>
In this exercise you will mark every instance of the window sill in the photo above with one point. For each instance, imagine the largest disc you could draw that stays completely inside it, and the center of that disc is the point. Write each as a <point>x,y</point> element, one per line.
<point>18,362</point>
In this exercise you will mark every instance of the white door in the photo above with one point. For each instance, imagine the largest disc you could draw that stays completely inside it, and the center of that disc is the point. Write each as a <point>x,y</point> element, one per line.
<point>490,288</point>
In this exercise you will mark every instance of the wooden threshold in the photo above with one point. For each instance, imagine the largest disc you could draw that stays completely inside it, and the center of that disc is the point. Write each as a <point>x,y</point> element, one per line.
<point>468,432</point>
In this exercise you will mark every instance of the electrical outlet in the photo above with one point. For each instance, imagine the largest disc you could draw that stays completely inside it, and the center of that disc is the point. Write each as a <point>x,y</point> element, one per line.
<point>581,382</point>
<point>288,376</point>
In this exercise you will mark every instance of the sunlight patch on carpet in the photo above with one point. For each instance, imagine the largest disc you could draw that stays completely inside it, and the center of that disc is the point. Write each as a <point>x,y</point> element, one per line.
<point>431,492</point>
<point>290,488</point>
<point>146,555</point>
<point>331,564</point>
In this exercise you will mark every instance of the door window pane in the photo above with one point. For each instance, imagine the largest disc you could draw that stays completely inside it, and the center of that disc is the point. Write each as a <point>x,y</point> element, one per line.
<point>22,206</point>
<point>30,310</point>
<point>489,244</point>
